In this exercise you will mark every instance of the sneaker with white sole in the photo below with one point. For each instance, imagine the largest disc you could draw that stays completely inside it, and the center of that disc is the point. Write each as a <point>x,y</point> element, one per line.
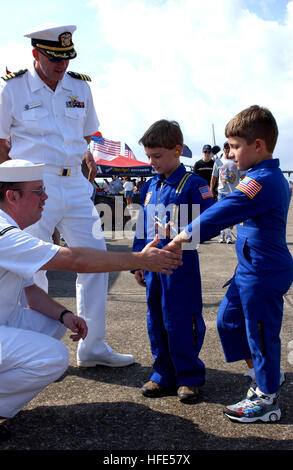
<point>222,237</point>
<point>229,240</point>
<point>254,408</point>
<point>112,359</point>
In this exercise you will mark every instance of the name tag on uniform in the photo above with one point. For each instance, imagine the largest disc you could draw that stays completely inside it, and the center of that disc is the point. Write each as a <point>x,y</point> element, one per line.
<point>33,105</point>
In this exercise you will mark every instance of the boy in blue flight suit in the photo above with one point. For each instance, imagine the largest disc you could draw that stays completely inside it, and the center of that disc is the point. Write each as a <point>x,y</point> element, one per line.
<point>250,315</point>
<point>175,324</point>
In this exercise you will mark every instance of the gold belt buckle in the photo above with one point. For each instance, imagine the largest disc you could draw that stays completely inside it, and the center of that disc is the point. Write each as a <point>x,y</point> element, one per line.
<point>64,172</point>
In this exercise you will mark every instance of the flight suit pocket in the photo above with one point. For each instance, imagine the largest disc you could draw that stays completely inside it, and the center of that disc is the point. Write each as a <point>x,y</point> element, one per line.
<point>246,252</point>
<point>248,257</point>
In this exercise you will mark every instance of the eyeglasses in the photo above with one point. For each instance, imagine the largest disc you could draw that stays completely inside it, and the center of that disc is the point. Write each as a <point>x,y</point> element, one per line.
<point>52,59</point>
<point>40,192</point>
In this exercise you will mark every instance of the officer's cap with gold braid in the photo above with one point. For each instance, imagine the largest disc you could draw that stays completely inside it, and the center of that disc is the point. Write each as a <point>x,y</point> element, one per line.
<point>53,40</point>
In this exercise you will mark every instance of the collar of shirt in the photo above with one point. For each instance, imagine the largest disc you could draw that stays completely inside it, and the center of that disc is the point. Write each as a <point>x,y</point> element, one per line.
<point>36,83</point>
<point>269,163</point>
<point>174,178</point>
<point>7,218</point>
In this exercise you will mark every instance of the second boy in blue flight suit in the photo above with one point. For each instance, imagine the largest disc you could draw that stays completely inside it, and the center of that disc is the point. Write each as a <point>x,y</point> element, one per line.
<point>175,323</point>
<point>250,315</point>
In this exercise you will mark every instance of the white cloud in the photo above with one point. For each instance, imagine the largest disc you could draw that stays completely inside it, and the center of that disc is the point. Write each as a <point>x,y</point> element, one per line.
<point>199,62</point>
<point>15,56</point>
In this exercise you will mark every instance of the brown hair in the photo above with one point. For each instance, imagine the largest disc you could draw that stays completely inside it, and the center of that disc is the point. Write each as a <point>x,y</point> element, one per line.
<point>5,186</point>
<point>254,123</point>
<point>163,133</point>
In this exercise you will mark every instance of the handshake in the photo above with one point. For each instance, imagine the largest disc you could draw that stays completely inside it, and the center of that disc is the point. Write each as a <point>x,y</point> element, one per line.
<point>166,259</point>
<point>161,260</point>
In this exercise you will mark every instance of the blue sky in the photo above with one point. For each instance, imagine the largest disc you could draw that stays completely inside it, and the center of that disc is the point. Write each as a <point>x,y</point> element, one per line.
<point>197,61</point>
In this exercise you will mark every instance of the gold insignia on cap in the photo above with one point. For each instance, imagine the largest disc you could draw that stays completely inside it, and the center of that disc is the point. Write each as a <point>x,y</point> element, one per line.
<point>65,39</point>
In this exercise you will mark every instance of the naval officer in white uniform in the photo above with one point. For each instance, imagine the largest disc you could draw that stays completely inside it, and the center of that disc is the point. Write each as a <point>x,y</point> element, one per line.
<point>49,116</point>
<point>31,353</point>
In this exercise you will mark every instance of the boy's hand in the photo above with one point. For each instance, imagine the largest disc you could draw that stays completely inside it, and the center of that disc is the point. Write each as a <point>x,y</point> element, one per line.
<point>164,232</point>
<point>139,276</point>
<point>175,245</point>
<point>167,230</point>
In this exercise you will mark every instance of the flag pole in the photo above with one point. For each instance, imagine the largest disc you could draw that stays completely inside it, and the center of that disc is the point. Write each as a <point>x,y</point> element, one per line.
<point>213,132</point>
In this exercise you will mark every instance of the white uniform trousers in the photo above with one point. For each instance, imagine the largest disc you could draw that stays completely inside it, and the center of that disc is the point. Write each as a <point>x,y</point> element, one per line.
<point>70,209</point>
<point>31,357</point>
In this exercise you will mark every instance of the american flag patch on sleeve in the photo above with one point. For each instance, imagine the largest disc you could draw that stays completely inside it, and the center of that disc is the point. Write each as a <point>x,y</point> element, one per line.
<point>205,192</point>
<point>249,186</point>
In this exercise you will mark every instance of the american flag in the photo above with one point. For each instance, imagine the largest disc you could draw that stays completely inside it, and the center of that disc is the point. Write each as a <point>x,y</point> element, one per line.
<point>105,149</point>
<point>249,187</point>
<point>205,192</point>
<point>129,153</point>
<point>186,151</point>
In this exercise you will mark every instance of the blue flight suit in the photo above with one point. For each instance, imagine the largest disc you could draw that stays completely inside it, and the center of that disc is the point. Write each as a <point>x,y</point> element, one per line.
<point>174,319</point>
<point>250,315</point>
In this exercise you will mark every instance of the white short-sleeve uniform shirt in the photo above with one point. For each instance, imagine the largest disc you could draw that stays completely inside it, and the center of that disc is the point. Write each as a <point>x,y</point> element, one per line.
<point>44,125</point>
<point>21,256</point>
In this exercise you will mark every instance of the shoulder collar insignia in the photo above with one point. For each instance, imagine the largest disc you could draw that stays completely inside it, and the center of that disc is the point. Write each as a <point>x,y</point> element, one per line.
<point>10,75</point>
<point>79,76</point>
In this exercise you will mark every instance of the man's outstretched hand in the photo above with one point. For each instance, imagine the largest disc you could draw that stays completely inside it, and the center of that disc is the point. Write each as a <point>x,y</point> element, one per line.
<point>163,261</point>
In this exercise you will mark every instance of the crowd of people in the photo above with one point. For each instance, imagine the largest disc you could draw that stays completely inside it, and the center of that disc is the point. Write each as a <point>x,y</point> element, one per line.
<point>222,175</point>
<point>47,116</point>
<point>125,186</point>
<point>118,184</point>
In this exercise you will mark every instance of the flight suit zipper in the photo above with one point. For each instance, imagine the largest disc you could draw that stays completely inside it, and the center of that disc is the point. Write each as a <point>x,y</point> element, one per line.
<point>156,211</point>
<point>158,201</point>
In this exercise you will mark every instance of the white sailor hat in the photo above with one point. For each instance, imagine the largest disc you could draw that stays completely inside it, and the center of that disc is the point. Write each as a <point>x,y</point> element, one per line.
<point>16,170</point>
<point>53,40</point>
